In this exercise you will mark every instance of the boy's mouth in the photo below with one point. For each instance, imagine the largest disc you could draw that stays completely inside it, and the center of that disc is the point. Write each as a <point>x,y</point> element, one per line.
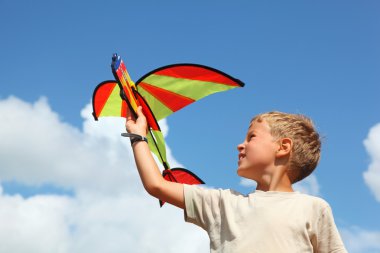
<point>241,156</point>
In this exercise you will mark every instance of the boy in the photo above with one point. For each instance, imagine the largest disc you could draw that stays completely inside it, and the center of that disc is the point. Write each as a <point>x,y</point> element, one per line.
<point>279,150</point>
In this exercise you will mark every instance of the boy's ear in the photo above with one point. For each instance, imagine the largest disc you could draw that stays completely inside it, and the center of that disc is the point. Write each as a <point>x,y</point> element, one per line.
<point>285,147</point>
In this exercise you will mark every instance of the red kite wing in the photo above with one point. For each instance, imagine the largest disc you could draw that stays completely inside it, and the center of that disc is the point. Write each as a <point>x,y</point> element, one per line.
<point>182,176</point>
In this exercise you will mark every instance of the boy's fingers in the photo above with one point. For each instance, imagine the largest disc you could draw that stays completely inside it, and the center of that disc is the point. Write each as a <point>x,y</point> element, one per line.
<point>128,120</point>
<point>139,111</point>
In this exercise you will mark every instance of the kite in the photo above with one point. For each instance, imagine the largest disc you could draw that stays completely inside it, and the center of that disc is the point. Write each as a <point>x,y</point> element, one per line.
<point>160,93</point>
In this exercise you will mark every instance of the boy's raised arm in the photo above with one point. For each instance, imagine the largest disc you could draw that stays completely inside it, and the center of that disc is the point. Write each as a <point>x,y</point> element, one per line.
<point>150,174</point>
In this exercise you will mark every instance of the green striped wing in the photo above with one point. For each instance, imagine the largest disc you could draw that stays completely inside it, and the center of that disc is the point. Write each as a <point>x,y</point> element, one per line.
<point>170,88</point>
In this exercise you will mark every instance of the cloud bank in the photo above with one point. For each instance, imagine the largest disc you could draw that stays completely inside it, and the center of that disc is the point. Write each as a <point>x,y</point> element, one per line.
<point>358,240</point>
<point>109,210</point>
<point>372,175</point>
<point>308,185</point>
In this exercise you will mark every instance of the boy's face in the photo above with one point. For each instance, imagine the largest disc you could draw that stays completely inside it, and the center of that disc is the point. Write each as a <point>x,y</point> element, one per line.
<point>257,153</point>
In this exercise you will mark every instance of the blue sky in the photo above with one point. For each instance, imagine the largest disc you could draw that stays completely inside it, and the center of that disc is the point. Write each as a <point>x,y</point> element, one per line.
<point>320,58</point>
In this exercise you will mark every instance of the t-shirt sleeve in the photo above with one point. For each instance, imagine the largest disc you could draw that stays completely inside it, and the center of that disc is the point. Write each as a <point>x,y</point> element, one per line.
<point>328,238</point>
<point>202,206</point>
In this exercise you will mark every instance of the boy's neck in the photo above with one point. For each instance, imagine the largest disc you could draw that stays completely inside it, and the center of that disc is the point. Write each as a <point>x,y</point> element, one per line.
<point>278,189</point>
<point>277,182</point>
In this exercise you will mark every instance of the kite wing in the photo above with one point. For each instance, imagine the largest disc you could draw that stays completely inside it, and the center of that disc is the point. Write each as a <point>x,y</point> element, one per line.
<point>166,90</point>
<point>106,101</point>
<point>170,88</point>
<point>180,175</point>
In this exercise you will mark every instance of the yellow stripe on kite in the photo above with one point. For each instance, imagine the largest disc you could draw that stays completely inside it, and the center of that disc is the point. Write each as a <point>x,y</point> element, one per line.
<point>193,89</point>
<point>159,110</point>
<point>113,105</point>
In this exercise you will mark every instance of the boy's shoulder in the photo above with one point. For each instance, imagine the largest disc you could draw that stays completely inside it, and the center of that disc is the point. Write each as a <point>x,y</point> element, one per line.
<point>293,198</point>
<point>317,203</point>
<point>315,199</point>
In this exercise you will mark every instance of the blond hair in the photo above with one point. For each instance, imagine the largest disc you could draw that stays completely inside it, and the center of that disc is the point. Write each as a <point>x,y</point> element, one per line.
<point>306,149</point>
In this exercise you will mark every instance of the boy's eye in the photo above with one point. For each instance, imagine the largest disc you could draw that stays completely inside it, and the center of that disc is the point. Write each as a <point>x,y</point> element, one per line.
<point>251,136</point>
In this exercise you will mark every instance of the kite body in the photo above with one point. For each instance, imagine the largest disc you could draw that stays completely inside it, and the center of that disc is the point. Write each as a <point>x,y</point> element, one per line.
<point>160,93</point>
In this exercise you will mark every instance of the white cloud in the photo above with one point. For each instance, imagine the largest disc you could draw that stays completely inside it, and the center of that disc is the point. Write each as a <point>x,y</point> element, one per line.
<point>36,224</point>
<point>358,240</point>
<point>372,175</point>
<point>109,212</point>
<point>248,183</point>
<point>37,147</point>
<point>308,185</point>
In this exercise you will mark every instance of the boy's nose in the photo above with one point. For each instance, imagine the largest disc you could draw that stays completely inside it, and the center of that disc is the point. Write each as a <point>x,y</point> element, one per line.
<point>240,147</point>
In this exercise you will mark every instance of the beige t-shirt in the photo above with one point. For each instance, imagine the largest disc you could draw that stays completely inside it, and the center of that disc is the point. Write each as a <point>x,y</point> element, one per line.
<point>263,222</point>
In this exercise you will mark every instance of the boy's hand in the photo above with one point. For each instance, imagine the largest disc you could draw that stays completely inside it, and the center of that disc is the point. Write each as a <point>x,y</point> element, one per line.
<point>138,126</point>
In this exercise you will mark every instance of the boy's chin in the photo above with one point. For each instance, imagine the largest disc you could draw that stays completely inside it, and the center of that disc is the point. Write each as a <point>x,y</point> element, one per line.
<point>245,173</point>
<point>239,171</point>
<point>242,172</point>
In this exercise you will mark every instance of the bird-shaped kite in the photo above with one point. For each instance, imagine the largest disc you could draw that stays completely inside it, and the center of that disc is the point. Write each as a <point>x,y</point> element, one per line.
<point>160,93</point>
